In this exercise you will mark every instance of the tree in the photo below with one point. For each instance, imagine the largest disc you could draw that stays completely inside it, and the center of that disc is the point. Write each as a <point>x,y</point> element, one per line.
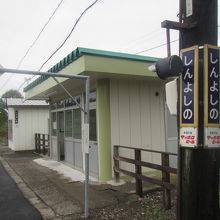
<point>3,112</point>
<point>3,121</point>
<point>12,94</point>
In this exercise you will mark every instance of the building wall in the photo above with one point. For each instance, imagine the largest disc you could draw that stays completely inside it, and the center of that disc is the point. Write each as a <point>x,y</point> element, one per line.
<point>137,118</point>
<point>172,137</point>
<point>30,121</point>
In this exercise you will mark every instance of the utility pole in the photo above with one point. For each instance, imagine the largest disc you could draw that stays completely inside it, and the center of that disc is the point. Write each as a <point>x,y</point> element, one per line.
<point>198,167</point>
<point>198,108</point>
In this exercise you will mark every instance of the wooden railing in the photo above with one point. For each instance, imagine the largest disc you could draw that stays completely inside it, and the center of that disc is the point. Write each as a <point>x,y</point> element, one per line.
<point>164,168</point>
<point>42,143</point>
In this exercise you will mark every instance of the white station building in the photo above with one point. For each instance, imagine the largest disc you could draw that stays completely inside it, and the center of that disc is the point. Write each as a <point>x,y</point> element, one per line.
<point>25,118</point>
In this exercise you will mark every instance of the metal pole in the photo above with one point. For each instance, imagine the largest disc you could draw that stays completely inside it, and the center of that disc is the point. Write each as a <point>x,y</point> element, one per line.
<point>86,118</point>
<point>168,42</point>
<point>29,72</point>
<point>67,92</point>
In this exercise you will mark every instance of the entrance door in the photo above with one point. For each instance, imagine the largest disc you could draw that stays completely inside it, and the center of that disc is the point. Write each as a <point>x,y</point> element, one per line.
<point>60,134</point>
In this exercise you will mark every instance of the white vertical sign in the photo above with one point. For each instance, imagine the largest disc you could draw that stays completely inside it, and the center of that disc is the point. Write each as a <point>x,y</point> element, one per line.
<point>85,138</point>
<point>189,8</point>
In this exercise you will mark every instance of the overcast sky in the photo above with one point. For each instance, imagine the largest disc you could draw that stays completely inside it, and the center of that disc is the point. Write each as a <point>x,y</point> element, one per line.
<point>127,26</point>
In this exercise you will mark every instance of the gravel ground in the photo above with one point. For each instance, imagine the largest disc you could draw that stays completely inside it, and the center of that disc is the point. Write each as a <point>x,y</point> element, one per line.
<point>149,208</point>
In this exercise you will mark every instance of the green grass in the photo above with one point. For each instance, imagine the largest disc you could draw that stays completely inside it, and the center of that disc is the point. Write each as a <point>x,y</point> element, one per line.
<point>154,213</point>
<point>3,139</point>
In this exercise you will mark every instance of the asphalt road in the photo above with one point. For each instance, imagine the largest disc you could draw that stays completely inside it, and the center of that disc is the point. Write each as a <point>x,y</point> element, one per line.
<point>13,205</point>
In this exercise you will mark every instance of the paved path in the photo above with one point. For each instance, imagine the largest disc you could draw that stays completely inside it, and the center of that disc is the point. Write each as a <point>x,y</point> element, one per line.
<point>55,196</point>
<point>13,205</point>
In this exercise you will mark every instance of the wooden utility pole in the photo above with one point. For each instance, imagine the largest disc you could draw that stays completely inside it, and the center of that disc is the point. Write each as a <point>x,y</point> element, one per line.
<point>198,167</point>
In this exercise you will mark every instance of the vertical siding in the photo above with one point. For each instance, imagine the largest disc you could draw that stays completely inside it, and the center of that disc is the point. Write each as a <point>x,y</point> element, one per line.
<point>137,117</point>
<point>30,121</point>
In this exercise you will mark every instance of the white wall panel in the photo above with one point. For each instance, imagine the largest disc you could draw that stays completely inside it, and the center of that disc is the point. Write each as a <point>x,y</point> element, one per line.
<point>137,117</point>
<point>30,121</point>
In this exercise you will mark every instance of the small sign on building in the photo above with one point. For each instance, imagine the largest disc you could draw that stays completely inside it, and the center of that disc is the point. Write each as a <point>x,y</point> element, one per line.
<point>212,96</point>
<point>16,116</point>
<point>189,97</point>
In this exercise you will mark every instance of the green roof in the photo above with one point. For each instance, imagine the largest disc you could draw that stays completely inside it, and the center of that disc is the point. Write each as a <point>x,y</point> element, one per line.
<point>78,52</point>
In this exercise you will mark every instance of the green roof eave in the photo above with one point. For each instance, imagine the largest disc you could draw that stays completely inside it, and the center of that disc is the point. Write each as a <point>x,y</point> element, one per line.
<point>78,52</point>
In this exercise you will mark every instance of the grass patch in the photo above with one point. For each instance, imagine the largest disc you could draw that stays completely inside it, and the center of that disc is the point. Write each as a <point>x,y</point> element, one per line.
<point>154,212</point>
<point>3,139</point>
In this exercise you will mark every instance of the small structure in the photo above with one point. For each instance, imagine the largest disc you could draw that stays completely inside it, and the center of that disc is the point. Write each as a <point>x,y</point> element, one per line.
<point>126,108</point>
<point>25,118</point>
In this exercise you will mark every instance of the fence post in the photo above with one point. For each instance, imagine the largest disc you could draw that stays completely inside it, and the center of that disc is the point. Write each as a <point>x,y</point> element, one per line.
<point>166,178</point>
<point>138,171</point>
<point>44,150</point>
<point>48,145</point>
<point>116,164</point>
<point>36,143</point>
<point>39,143</point>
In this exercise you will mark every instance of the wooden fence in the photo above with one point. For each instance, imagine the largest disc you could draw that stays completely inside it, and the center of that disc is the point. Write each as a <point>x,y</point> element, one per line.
<point>42,143</point>
<point>164,168</point>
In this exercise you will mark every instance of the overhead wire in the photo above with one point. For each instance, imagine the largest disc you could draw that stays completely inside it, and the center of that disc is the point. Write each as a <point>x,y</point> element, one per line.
<point>71,31</point>
<point>31,46</point>
<point>38,36</point>
<point>152,48</point>
<point>142,38</point>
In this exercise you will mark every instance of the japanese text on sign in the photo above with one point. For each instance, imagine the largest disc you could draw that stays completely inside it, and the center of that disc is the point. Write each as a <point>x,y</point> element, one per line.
<point>16,116</point>
<point>188,137</point>
<point>188,92</point>
<point>212,86</point>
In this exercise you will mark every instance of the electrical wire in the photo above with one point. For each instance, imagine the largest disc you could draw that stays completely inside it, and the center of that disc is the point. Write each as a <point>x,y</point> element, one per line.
<point>135,53</point>
<point>74,26</point>
<point>71,31</point>
<point>142,38</point>
<point>38,36</point>
<point>26,80</point>
<point>34,42</point>
<point>152,48</point>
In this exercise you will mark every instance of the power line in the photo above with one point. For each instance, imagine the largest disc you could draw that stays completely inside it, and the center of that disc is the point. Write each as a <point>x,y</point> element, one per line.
<point>77,21</point>
<point>141,38</point>
<point>74,26</point>
<point>26,80</point>
<point>38,36</point>
<point>34,42</point>
<point>152,48</point>
<point>135,53</point>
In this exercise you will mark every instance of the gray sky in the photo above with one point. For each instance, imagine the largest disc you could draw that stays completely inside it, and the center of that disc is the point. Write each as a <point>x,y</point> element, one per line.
<point>127,26</point>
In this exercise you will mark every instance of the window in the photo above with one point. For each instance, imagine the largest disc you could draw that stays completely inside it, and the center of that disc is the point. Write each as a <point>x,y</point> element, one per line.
<point>10,131</point>
<point>69,102</point>
<point>60,104</point>
<point>54,124</point>
<point>92,129</point>
<point>53,106</point>
<point>68,123</point>
<point>77,123</point>
<point>92,96</point>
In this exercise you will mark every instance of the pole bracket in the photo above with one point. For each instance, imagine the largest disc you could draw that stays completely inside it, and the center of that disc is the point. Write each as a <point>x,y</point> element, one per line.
<point>177,25</point>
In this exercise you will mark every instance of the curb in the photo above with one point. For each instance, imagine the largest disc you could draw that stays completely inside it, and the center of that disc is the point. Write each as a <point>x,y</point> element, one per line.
<point>46,212</point>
